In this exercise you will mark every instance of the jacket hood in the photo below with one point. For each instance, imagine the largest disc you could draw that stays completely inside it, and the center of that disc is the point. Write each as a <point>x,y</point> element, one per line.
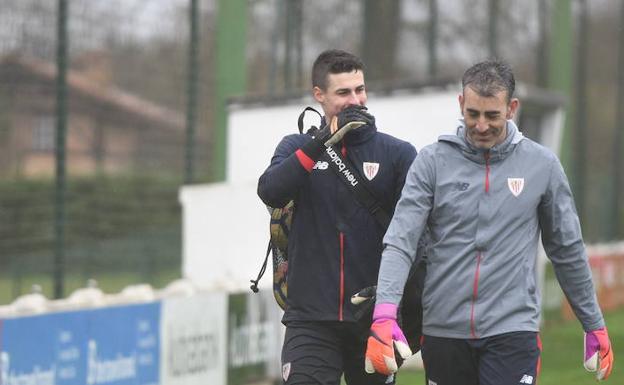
<point>496,153</point>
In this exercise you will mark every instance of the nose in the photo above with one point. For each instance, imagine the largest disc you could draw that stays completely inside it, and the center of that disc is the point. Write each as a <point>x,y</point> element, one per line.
<point>353,99</point>
<point>481,125</point>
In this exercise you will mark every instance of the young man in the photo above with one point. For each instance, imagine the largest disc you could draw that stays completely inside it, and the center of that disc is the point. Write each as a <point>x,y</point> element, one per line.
<point>335,243</point>
<point>487,194</point>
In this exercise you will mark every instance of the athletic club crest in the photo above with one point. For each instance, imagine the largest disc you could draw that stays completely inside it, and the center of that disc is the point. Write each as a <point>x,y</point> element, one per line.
<point>370,169</point>
<point>515,185</point>
<point>286,371</point>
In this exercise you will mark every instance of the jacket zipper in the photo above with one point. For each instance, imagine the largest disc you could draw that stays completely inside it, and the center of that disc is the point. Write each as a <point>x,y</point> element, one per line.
<point>487,171</point>
<point>340,304</point>
<point>475,292</point>
<point>475,284</point>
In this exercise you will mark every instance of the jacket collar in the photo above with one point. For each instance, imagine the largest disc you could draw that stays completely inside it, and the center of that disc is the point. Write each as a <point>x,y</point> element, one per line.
<point>496,153</point>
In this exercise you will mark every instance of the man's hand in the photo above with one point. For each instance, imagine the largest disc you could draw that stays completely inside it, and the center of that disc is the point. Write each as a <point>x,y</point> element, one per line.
<point>364,302</point>
<point>598,353</point>
<point>385,335</point>
<point>366,294</point>
<point>348,119</point>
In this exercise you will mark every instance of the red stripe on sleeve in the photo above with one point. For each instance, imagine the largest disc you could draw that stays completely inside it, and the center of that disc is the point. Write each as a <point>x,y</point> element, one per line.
<point>305,160</point>
<point>539,359</point>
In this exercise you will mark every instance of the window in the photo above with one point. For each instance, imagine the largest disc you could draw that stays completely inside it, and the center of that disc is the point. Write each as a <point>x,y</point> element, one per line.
<point>43,133</point>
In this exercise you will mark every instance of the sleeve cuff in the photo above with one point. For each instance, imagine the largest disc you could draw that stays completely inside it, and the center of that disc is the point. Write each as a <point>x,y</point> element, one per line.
<point>385,310</point>
<point>305,160</point>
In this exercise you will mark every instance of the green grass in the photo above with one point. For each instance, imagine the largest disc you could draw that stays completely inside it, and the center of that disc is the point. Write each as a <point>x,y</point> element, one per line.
<point>109,282</point>
<point>562,354</point>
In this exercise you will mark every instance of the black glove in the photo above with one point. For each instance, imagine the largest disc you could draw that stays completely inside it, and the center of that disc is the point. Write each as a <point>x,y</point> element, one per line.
<point>364,301</point>
<point>366,294</point>
<point>354,113</point>
<point>348,119</point>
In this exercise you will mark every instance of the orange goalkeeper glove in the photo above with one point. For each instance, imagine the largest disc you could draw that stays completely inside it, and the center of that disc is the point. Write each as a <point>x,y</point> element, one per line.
<point>385,335</point>
<point>598,353</point>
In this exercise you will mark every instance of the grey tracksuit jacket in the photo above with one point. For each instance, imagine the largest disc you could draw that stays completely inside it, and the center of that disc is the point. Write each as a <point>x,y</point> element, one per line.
<point>486,211</point>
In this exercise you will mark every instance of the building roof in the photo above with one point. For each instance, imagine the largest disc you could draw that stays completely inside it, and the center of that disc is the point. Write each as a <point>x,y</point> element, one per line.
<point>18,67</point>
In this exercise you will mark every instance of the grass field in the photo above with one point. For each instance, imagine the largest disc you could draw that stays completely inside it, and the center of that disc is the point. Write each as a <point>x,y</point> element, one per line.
<point>109,282</point>
<point>562,355</point>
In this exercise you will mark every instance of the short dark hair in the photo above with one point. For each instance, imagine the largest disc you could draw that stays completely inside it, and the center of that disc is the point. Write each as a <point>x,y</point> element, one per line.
<point>333,61</point>
<point>489,77</point>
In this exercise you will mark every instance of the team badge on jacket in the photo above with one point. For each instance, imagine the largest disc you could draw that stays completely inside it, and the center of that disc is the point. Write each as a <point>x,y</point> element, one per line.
<point>286,371</point>
<point>370,169</point>
<point>515,185</point>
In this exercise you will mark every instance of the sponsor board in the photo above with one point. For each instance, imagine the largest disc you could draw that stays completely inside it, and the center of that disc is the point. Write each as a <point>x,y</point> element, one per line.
<point>116,345</point>
<point>194,340</point>
<point>123,345</point>
<point>255,336</point>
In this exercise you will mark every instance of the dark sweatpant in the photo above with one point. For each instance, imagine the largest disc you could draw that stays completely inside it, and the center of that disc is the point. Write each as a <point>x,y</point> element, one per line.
<point>319,352</point>
<point>504,359</point>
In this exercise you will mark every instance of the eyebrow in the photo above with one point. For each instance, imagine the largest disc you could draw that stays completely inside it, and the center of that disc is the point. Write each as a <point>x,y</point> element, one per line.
<point>489,112</point>
<point>361,86</point>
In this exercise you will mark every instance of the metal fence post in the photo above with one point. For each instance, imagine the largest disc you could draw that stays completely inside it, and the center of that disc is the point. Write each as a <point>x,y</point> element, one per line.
<point>192,79</point>
<point>432,39</point>
<point>493,12</point>
<point>580,122</point>
<point>61,128</point>
<point>542,44</point>
<point>560,66</point>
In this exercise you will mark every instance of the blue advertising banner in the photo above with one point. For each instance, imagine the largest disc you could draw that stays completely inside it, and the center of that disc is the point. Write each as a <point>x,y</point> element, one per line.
<point>43,350</point>
<point>113,345</point>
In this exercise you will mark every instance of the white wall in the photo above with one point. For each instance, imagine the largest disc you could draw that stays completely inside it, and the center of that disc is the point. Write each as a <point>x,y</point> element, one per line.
<point>225,235</point>
<point>253,132</point>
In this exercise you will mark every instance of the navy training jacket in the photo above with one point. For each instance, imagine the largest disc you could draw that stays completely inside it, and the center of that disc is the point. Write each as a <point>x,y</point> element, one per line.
<point>335,244</point>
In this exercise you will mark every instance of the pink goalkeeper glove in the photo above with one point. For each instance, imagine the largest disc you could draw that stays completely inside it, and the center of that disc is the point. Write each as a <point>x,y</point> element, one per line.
<point>385,334</point>
<point>598,353</point>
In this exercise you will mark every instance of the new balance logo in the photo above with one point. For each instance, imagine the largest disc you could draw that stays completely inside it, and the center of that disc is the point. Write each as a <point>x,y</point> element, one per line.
<point>526,379</point>
<point>321,165</point>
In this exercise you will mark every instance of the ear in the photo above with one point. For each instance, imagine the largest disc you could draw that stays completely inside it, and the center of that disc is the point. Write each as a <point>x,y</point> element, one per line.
<point>512,108</point>
<point>461,103</point>
<point>318,94</point>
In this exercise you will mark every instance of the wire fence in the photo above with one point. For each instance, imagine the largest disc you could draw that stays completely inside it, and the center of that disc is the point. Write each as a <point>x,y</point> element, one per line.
<point>129,109</point>
<point>125,142</point>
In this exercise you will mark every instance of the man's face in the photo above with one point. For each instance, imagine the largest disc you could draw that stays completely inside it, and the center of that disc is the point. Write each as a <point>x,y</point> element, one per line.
<point>343,90</point>
<point>486,117</point>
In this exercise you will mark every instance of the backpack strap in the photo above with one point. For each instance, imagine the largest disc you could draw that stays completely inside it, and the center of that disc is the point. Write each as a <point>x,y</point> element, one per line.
<point>351,177</point>
<point>302,115</point>
<point>254,282</point>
